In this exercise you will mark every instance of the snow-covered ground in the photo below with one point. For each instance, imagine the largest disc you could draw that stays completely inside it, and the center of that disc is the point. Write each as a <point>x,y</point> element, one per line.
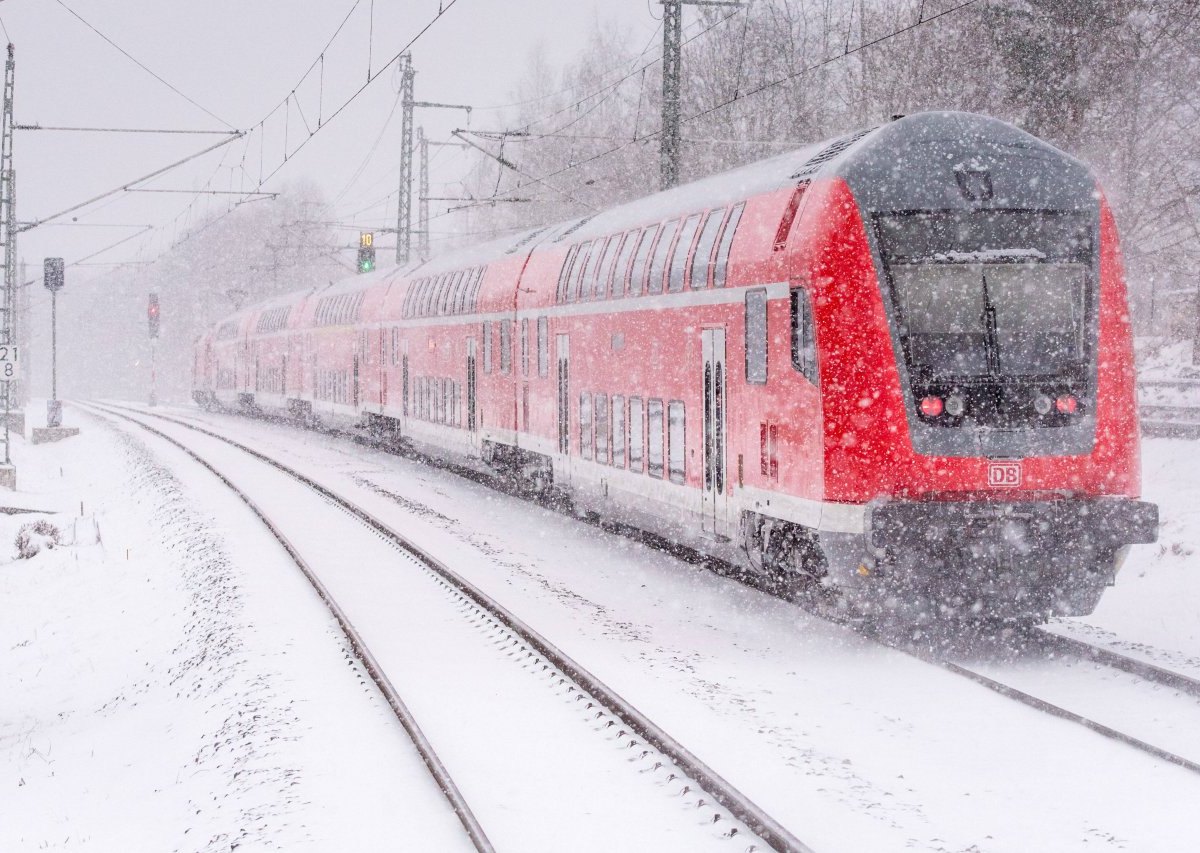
<point>195,671</point>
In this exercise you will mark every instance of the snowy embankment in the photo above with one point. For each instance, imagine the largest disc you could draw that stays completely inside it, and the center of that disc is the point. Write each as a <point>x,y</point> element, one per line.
<point>155,696</point>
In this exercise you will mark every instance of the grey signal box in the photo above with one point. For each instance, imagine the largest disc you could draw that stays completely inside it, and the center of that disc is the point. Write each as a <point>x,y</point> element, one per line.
<point>54,278</point>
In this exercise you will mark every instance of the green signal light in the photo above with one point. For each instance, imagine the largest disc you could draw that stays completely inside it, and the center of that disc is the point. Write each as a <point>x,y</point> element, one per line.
<point>366,266</point>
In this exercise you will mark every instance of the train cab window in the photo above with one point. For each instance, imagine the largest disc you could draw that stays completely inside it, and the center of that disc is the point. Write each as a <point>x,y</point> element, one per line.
<point>756,337</point>
<point>506,327</point>
<point>702,258</point>
<point>564,275</point>
<point>585,426</point>
<point>676,438</point>
<point>543,346</point>
<point>658,263</point>
<point>602,427</point>
<point>654,438</point>
<point>679,257</point>
<point>618,431</point>
<point>804,343</point>
<point>637,435</point>
<point>524,346</point>
<point>620,282</point>
<point>606,266</point>
<point>638,274</point>
<point>487,347</point>
<point>722,265</point>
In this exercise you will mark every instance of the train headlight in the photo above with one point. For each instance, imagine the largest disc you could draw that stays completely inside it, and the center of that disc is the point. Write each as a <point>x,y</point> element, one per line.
<point>955,405</point>
<point>931,406</point>
<point>1067,404</point>
<point>1041,404</point>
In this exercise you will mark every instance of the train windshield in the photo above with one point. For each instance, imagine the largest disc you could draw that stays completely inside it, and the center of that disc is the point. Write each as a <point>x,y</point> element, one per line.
<point>990,294</point>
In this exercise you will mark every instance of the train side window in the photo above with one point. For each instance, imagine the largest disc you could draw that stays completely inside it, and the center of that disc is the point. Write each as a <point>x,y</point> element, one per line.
<point>756,337</point>
<point>577,275</point>
<point>621,271</point>
<point>602,436</point>
<point>606,266</point>
<point>543,346</point>
<point>637,435</point>
<point>658,264</point>
<point>446,297</point>
<point>722,264</point>
<point>804,339</point>
<point>618,431</point>
<point>487,347</point>
<point>476,285</point>
<point>702,258</point>
<point>638,276</point>
<point>462,280</point>
<point>524,346</point>
<point>676,438</point>
<point>506,346</point>
<point>427,300</point>
<point>654,438</point>
<point>587,286</point>
<point>679,257</point>
<point>585,426</point>
<point>564,275</point>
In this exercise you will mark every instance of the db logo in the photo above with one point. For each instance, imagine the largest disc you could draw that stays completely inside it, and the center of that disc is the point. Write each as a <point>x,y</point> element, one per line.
<point>1004,475</point>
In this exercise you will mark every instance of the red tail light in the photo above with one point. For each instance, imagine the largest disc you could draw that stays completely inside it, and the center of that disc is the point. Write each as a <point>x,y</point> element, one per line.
<point>1067,404</point>
<point>931,407</point>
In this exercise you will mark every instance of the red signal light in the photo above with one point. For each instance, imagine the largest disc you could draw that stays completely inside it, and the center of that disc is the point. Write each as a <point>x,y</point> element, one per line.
<point>931,407</point>
<point>1067,404</point>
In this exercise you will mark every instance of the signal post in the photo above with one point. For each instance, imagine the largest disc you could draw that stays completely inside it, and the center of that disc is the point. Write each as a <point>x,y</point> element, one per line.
<point>53,279</point>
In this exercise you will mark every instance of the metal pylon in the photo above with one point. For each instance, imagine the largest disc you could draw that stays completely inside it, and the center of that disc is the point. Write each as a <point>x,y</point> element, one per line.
<point>423,196</point>
<point>404,208</point>
<point>8,239</point>
<point>672,45</point>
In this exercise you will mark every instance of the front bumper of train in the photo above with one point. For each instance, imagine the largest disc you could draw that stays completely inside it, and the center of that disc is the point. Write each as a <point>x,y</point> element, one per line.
<point>1008,559</point>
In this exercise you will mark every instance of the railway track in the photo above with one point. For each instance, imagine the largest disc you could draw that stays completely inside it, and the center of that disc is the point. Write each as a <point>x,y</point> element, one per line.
<point>730,814</point>
<point>1168,408</point>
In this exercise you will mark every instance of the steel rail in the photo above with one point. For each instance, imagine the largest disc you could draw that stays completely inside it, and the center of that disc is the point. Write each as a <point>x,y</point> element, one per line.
<point>428,755</point>
<point>766,827</point>
<point>1115,660</point>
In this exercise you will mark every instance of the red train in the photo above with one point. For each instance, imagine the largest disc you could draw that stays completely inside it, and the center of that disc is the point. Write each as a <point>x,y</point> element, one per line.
<point>897,364</point>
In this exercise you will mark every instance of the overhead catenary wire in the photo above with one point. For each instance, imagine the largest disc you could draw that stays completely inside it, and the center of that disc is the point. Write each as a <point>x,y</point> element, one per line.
<point>143,66</point>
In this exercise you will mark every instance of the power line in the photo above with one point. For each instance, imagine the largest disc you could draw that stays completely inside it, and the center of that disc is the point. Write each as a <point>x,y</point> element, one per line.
<point>142,66</point>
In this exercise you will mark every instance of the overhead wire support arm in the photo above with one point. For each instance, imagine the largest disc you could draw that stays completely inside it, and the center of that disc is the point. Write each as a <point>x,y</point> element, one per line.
<point>125,130</point>
<point>510,165</point>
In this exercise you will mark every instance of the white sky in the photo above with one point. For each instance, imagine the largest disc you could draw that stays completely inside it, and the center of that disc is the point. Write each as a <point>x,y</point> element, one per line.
<point>239,59</point>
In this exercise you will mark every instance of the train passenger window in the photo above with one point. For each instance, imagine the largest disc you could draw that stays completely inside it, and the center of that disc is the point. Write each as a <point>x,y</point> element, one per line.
<point>804,342</point>
<point>506,327</point>
<point>543,346</point>
<point>680,255</point>
<point>577,274</point>
<point>427,298</point>
<point>638,274</point>
<point>602,436</point>
<point>487,347</point>
<point>722,264</point>
<point>585,426</point>
<point>637,434</point>
<point>756,337</point>
<point>587,286</point>
<point>606,266</point>
<point>620,281</point>
<point>524,346</point>
<point>461,278</point>
<point>476,283</point>
<point>453,419</point>
<point>564,275</point>
<point>702,257</point>
<point>658,264</point>
<point>395,346</point>
<point>618,431</point>
<point>676,441</point>
<point>446,297</point>
<point>654,438</point>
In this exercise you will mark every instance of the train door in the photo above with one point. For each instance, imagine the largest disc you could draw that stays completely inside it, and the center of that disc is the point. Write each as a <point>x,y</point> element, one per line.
<point>472,395</point>
<point>563,346</point>
<point>713,504</point>
<point>404,383</point>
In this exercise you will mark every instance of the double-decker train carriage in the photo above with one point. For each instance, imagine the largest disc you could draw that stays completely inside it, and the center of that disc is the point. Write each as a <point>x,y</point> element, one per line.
<point>897,364</point>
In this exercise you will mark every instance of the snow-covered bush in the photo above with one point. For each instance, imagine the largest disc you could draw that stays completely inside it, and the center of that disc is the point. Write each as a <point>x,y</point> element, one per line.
<point>35,536</point>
